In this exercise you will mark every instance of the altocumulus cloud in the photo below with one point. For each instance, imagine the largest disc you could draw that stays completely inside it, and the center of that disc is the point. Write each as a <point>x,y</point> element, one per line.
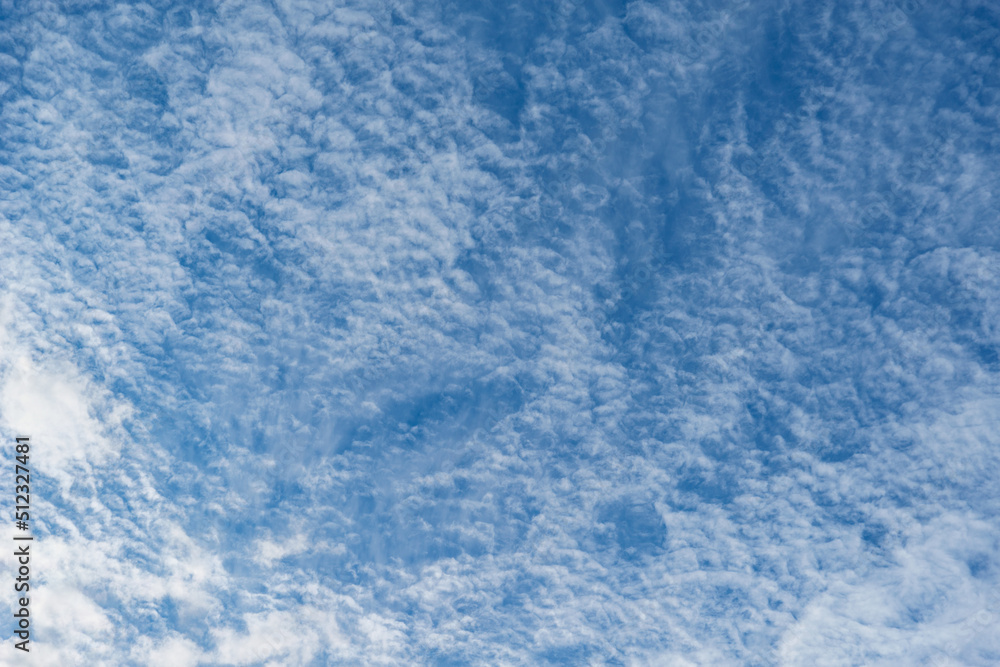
<point>569,333</point>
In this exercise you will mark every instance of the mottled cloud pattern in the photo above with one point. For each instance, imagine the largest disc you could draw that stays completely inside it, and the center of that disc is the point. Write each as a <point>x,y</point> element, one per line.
<point>644,333</point>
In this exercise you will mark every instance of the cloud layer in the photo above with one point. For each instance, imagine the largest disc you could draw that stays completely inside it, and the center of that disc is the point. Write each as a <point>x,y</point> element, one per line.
<point>600,333</point>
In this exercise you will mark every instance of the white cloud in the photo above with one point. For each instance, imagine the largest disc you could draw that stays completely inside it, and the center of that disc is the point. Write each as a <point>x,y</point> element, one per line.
<point>523,336</point>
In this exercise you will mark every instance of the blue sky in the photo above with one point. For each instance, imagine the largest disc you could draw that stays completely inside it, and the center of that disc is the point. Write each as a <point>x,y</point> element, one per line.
<point>379,333</point>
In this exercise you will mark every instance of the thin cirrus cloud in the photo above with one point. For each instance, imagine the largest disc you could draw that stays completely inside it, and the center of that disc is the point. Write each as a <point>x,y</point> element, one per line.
<point>622,333</point>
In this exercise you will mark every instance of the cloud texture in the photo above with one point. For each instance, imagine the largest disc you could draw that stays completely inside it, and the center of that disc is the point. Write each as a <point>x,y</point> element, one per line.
<point>505,334</point>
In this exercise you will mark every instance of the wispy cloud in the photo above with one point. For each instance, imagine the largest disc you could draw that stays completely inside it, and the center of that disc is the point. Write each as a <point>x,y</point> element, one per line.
<point>404,334</point>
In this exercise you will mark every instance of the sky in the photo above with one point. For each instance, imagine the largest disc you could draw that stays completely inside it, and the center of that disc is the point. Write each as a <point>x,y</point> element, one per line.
<point>503,333</point>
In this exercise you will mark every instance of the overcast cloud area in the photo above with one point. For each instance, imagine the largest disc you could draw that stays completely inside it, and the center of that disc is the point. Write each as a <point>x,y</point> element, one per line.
<point>565,333</point>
